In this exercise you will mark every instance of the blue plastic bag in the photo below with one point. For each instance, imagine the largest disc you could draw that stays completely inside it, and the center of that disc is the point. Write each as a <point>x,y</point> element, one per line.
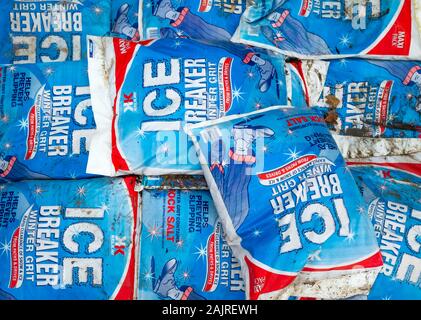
<point>50,30</point>
<point>370,98</point>
<point>334,29</point>
<point>46,121</point>
<point>183,253</point>
<point>70,240</point>
<point>392,192</point>
<point>287,203</point>
<point>144,93</point>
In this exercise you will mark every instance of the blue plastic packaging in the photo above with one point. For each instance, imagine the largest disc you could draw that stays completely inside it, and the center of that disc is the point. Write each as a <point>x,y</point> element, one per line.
<point>334,29</point>
<point>183,253</point>
<point>288,203</point>
<point>144,93</point>
<point>392,192</point>
<point>70,240</point>
<point>50,30</point>
<point>46,121</point>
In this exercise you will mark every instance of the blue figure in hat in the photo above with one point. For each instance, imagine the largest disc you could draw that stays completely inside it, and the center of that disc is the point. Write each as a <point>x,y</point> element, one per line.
<point>407,71</point>
<point>13,170</point>
<point>289,34</point>
<point>165,285</point>
<point>234,177</point>
<point>192,26</point>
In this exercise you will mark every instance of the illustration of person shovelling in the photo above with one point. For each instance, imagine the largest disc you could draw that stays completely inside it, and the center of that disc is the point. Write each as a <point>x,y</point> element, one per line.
<point>288,33</point>
<point>193,26</point>
<point>165,286</point>
<point>236,174</point>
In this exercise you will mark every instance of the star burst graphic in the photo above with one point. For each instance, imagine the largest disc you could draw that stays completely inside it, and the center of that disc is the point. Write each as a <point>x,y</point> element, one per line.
<point>237,94</point>
<point>293,154</point>
<point>186,275</point>
<point>22,124</point>
<point>201,252</point>
<point>49,71</point>
<point>148,275</point>
<point>140,133</point>
<point>4,248</point>
<point>361,209</point>
<point>179,244</point>
<point>81,191</point>
<point>315,256</point>
<point>38,190</point>
<point>104,207</point>
<point>177,44</point>
<point>350,237</point>
<point>345,40</point>
<point>383,188</point>
<point>343,62</point>
<point>97,10</point>
<point>378,173</point>
<point>154,232</point>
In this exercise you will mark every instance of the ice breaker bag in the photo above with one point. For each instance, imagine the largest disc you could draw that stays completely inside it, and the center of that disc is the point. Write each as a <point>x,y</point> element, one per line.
<point>392,192</point>
<point>46,121</point>
<point>143,94</point>
<point>68,239</point>
<point>371,98</point>
<point>303,28</point>
<point>286,200</point>
<point>49,30</point>
<point>183,253</point>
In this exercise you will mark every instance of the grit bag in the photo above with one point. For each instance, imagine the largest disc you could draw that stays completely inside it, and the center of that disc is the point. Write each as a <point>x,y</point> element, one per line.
<point>369,98</point>
<point>71,240</point>
<point>386,29</point>
<point>288,203</point>
<point>50,30</point>
<point>144,92</point>
<point>46,121</point>
<point>183,253</point>
<point>392,192</point>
